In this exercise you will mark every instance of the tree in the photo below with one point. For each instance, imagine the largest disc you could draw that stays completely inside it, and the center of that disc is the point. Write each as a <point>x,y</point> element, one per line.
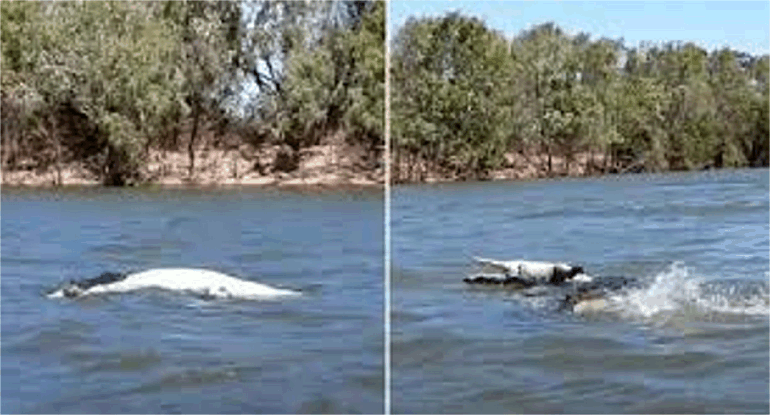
<point>546,56</point>
<point>97,62</point>
<point>447,109</point>
<point>319,70</point>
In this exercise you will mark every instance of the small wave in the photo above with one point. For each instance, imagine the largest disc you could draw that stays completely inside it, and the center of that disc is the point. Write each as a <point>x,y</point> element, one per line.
<point>191,378</point>
<point>675,291</point>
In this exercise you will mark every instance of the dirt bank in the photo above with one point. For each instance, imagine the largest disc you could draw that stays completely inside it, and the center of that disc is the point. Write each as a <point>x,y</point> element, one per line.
<point>518,166</point>
<point>328,165</point>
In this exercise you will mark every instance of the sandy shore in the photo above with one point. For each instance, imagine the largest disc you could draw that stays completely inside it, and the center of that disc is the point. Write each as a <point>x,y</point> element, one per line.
<point>318,166</point>
<point>322,166</point>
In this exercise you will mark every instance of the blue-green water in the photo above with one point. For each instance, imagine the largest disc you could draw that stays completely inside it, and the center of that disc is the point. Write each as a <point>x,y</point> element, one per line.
<point>695,341</point>
<point>157,352</point>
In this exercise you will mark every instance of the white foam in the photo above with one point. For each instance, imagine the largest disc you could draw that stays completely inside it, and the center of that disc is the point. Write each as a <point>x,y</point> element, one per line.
<point>676,291</point>
<point>199,281</point>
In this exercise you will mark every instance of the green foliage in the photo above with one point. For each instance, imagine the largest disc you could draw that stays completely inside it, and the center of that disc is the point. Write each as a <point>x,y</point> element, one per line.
<point>308,97</point>
<point>449,109</point>
<point>339,85</point>
<point>463,96</point>
<point>108,60</point>
<point>121,163</point>
<point>103,82</point>
<point>365,107</point>
<point>132,69</point>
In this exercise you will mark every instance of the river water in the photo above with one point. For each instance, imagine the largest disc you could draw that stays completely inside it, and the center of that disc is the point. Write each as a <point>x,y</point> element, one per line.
<point>694,340</point>
<point>161,352</point>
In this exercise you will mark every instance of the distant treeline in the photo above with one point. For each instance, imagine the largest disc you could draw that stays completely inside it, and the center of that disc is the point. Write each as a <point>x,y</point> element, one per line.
<point>103,82</point>
<point>464,96</point>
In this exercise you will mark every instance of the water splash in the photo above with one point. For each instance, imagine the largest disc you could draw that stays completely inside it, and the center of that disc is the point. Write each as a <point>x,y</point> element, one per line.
<point>676,293</point>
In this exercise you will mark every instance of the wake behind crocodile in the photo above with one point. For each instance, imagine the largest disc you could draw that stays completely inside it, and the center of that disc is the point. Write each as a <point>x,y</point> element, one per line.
<point>672,293</point>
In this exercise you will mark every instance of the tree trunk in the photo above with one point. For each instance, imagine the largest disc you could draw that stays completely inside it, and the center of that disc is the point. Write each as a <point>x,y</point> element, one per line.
<point>395,164</point>
<point>719,158</point>
<point>234,156</point>
<point>193,134</point>
<point>175,136</point>
<point>57,147</point>
<point>410,166</point>
<point>589,162</point>
<point>5,137</point>
<point>567,159</point>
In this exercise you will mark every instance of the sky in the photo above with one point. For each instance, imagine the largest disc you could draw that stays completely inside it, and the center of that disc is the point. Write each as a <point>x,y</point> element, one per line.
<point>740,25</point>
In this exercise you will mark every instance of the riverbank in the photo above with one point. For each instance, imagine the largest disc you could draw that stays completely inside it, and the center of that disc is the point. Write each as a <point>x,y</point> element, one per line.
<point>517,166</point>
<point>328,165</point>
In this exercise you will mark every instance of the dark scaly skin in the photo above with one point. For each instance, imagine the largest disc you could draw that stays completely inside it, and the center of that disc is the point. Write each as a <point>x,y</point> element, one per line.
<point>577,292</point>
<point>75,288</point>
<point>103,279</point>
<point>511,282</point>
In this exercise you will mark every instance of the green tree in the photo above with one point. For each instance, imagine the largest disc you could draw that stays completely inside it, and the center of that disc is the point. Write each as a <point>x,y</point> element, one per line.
<point>544,53</point>
<point>448,110</point>
<point>331,81</point>
<point>129,71</point>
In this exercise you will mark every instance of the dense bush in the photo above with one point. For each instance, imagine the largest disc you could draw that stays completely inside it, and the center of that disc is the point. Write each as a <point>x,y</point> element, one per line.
<point>464,96</point>
<point>104,82</point>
